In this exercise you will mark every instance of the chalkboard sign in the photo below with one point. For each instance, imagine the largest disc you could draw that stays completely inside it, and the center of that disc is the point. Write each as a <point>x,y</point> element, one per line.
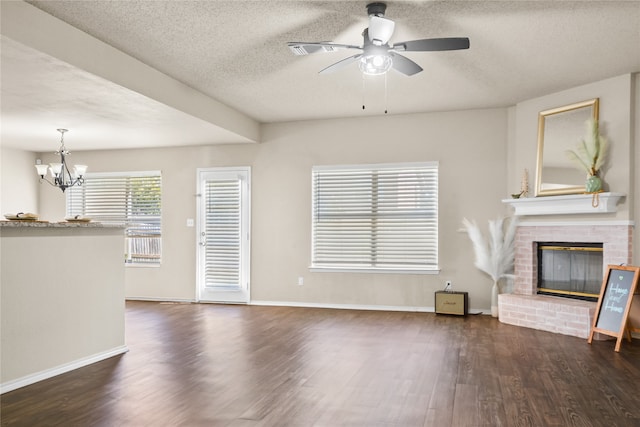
<point>616,295</point>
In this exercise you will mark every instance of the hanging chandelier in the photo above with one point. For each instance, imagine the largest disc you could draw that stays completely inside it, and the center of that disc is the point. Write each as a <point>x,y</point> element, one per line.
<point>62,177</point>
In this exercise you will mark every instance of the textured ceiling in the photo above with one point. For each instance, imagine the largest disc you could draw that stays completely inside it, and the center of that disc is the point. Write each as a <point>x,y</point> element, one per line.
<point>46,94</point>
<point>235,51</point>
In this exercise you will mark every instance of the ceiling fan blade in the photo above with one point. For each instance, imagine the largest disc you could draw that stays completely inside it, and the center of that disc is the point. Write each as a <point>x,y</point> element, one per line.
<point>428,45</point>
<point>340,64</point>
<point>404,64</point>
<point>306,48</point>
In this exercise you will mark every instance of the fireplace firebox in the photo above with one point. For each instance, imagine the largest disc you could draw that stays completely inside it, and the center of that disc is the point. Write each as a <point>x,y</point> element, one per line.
<point>571,270</point>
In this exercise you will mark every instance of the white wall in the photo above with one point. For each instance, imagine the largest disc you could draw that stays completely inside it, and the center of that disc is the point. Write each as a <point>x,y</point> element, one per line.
<point>1,176</point>
<point>18,181</point>
<point>53,322</point>
<point>635,172</point>
<point>616,117</point>
<point>471,149</point>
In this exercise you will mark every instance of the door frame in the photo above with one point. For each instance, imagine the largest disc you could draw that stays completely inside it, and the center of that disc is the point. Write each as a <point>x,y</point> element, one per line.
<point>226,296</point>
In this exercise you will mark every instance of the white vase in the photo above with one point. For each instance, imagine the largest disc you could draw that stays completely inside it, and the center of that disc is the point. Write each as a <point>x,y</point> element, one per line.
<point>494,299</point>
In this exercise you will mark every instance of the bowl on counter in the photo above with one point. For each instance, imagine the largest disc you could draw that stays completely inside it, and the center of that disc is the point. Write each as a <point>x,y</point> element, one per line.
<point>77,218</point>
<point>22,216</point>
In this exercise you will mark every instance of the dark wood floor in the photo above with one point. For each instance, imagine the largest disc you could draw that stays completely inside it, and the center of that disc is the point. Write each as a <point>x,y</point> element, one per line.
<point>216,365</point>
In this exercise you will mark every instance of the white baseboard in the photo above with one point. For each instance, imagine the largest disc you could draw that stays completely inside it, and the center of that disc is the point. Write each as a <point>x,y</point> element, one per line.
<point>356,306</point>
<point>320,305</point>
<point>155,299</point>
<point>61,369</point>
<point>343,306</point>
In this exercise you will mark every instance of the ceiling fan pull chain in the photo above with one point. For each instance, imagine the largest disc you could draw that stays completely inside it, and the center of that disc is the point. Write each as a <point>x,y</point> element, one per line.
<point>363,90</point>
<point>386,98</point>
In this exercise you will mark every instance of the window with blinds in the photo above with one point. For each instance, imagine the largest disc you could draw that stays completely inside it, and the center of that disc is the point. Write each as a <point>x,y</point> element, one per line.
<point>375,217</point>
<point>133,199</point>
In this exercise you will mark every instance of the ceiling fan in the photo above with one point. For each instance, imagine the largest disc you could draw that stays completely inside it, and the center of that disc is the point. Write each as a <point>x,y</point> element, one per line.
<point>377,55</point>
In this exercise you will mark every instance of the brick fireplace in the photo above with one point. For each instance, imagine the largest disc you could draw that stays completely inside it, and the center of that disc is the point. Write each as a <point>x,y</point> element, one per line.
<point>567,316</point>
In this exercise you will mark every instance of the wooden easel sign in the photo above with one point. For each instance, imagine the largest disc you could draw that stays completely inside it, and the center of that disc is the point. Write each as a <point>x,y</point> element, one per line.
<point>616,294</point>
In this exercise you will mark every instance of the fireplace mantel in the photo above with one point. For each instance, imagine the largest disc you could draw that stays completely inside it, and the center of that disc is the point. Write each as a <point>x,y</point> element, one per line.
<point>570,204</point>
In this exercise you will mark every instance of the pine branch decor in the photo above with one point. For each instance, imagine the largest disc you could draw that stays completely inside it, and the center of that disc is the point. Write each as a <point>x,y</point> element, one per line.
<point>590,152</point>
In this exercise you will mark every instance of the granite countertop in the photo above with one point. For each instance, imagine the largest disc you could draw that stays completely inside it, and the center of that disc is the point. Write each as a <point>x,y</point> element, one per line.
<point>60,224</point>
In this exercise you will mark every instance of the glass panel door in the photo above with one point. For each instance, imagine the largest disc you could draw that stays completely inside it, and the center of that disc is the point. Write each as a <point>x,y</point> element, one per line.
<point>223,235</point>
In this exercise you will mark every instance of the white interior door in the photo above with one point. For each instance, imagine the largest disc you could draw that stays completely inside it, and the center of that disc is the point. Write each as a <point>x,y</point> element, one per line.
<point>223,234</point>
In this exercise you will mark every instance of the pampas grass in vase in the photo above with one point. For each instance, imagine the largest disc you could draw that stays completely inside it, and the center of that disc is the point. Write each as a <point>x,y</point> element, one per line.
<point>590,154</point>
<point>494,256</point>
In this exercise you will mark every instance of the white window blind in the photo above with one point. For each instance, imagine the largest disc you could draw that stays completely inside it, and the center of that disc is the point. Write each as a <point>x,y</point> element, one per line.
<point>375,217</point>
<point>133,199</point>
<point>223,233</point>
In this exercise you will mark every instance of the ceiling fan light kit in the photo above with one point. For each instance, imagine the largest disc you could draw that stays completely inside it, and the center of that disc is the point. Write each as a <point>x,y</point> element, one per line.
<point>375,63</point>
<point>378,56</point>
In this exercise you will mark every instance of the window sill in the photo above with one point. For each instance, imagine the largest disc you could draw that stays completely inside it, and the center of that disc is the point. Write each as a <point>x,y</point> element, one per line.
<point>143,265</point>
<point>316,269</point>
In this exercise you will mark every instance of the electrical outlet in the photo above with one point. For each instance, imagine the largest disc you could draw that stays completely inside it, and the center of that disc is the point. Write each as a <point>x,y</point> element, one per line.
<point>447,285</point>
<point>300,281</point>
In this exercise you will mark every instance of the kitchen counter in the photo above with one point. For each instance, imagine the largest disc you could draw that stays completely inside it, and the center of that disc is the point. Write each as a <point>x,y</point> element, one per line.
<point>60,224</point>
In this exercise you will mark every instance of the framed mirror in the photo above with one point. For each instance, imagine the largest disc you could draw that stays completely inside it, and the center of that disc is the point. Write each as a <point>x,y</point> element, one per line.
<point>561,129</point>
